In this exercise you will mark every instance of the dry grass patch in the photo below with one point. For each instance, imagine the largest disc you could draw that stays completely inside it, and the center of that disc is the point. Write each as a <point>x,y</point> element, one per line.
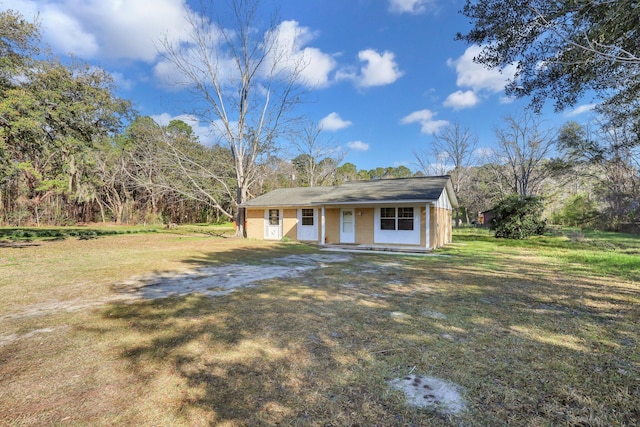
<point>524,341</point>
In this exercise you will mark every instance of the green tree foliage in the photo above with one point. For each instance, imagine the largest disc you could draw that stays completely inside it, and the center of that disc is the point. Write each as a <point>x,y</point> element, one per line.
<point>346,172</point>
<point>349,172</point>
<point>580,211</point>
<point>562,48</point>
<point>386,173</point>
<point>52,120</point>
<point>17,42</point>
<point>518,217</point>
<point>18,38</point>
<point>51,116</point>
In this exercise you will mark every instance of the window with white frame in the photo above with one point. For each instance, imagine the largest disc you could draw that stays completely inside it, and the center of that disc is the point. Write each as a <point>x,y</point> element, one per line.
<point>405,218</point>
<point>274,217</point>
<point>396,218</point>
<point>307,216</point>
<point>387,218</point>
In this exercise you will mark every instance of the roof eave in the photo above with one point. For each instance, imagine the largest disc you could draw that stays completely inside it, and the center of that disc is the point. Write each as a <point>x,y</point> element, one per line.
<point>375,202</point>
<point>279,205</point>
<point>452,194</point>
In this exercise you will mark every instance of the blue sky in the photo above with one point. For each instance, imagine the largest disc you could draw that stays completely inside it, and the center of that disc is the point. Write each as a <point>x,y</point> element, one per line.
<point>387,73</point>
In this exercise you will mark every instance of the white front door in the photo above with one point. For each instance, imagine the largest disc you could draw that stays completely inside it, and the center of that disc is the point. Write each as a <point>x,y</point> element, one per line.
<point>273,224</point>
<point>308,224</point>
<point>347,226</point>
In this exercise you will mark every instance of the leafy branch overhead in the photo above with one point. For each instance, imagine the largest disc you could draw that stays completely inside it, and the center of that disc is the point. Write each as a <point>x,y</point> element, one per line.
<point>562,49</point>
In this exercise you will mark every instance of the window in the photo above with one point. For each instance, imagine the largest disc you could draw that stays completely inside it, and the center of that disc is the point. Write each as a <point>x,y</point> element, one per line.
<point>347,221</point>
<point>307,216</point>
<point>387,218</point>
<point>402,221</point>
<point>405,218</point>
<point>274,217</point>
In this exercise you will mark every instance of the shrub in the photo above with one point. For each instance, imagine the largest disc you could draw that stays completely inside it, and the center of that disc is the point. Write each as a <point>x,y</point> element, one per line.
<point>518,217</point>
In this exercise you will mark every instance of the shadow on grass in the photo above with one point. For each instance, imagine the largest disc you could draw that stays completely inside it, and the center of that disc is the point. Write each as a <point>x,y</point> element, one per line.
<point>252,254</point>
<point>528,346</point>
<point>261,358</point>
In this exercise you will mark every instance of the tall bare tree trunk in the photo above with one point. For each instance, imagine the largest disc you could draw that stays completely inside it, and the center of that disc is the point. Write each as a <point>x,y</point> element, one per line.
<point>246,81</point>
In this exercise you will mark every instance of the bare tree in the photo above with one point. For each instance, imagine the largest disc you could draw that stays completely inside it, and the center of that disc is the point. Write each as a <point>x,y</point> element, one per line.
<point>523,146</point>
<point>318,158</point>
<point>610,157</point>
<point>431,162</point>
<point>245,81</point>
<point>452,152</point>
<point>169,160</point>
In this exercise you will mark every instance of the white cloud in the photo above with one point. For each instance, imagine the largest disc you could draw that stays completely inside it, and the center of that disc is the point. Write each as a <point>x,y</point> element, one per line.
<point>506,100</point>
<point>334,122</point>
<point>379,70</point>
<point>290,39</point>
<point>67,34</point>
<point>414,7</point>
<point>484,153</point>
<point>358,145</point>
<point>426,120</point>
<point>108,28</point>
<point>478,78</point>
<point>60,29</point>
<point>121,81</point>
<point>165,118</point>
<point>581,110</point>
<point>288,56</point>
<point>460,100</point>
<point>171,77</point>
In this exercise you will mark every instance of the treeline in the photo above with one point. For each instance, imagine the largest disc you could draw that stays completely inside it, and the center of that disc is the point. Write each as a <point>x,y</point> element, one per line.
<point>71,151</point>
<point>64,157</point>
<point>585,176</point>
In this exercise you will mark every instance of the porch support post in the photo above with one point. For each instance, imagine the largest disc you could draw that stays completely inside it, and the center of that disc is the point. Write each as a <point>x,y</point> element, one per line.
<point>427,226</point>
<point>322,227</point>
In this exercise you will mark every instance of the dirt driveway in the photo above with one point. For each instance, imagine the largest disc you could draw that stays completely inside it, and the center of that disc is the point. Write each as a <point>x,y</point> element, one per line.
<point>223,280</point>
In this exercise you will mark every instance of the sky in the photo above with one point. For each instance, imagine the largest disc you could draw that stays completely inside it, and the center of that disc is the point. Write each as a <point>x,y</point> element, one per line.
<point>383,77</point>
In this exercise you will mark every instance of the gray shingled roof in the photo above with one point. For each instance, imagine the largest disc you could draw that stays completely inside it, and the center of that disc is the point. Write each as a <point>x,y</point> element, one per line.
<point>416,189</point>
<point>299,196</point>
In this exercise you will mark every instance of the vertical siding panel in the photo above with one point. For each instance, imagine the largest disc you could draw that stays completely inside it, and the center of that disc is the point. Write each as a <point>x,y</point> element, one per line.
<point>290,223</point>
<point>255,223</point>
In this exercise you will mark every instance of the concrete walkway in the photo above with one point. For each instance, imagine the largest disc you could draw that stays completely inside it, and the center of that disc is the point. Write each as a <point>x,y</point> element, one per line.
<point>380,249</point>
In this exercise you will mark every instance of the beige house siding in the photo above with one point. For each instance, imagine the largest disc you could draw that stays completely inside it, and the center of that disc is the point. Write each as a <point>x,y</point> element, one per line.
<point>255,223</point>
<point>289,223</point>
<point>441,227</point>
<point>364,226</point>
<point>332,225</point>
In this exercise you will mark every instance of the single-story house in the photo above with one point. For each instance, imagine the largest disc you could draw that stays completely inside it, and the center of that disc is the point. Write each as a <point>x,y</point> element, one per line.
<point>415,212</point>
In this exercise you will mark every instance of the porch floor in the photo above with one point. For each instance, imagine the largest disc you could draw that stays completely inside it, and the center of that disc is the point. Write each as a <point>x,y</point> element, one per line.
<point>380,249</point>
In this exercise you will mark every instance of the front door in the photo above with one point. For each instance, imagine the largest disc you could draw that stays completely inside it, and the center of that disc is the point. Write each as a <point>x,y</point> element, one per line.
<point>347,226</point>
<point>273,229</point>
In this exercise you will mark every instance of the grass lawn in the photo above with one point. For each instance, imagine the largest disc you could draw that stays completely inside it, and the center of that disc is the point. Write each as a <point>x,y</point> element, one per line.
<point>533,333</point>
